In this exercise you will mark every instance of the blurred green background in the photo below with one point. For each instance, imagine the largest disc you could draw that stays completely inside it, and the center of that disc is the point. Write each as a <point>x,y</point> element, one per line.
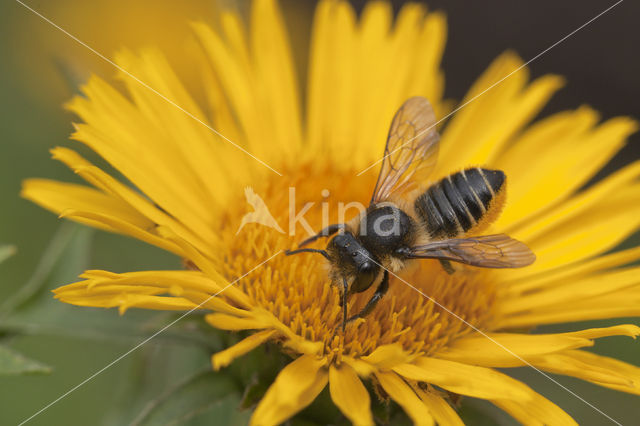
<point>65,345</point>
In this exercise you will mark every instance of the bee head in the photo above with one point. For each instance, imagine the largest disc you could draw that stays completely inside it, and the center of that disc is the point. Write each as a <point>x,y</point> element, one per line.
<point>352,259</point>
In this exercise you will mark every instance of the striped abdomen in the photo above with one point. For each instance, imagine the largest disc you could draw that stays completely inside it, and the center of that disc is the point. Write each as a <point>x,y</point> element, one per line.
<point>461,202</point>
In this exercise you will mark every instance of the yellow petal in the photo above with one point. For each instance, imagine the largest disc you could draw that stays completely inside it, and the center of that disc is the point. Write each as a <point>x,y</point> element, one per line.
<point>116,224</point>
<point>178,119</point>
<point>168,281</point>
<point>578,204</point>
<point>578,151</point>
<point>591,286</point>
<point>393,61</point>
<point>464,379</point>
<point>230,322</point>
<point>473,136</point>
<point>365,70</point>
<point>569,364</point>
<point>128,300</point>
<point>512,350</point>
<point>59,196</point>
<point>220,108</point>
<point>334,40</point>
<point>91,291</point>
<point>203,239</point>
<point>442,412</point>
<point>275,75</point>
<point>629,330</point>
<point>317,83</point>
<point>536,411</point>
<point>523,108</point>
<point>599,369</point>
<point>231,70</point>
<point>225,357</point>
<point>363,368</point>
<point>238,86</point>
<point>204,264</point>
<point>297,385</point>
<point>371,64</point>
<point>156,302</point>
<point>573,271</point>
<point>114,214</point>
<point>387,356</point>
<point>505,350</point>
<point>222,117</point>
<point>208,301</point>
<point>121,134</point>
<point>618,305</point>
<point>233,27</point>
<point>426,79</point>
<point>597,230</point>
<point>105,290</point>
<point>350,395</point>
<point>402,393</point>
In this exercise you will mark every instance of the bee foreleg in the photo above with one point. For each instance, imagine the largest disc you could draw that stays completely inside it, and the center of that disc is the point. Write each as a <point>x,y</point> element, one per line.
<point>345,289</point>
<point>379,293</point>
<point>447,266</point>
<point>326,232</point>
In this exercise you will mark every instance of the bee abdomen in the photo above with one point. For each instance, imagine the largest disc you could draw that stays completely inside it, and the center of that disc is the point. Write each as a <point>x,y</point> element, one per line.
<point>456,204</point>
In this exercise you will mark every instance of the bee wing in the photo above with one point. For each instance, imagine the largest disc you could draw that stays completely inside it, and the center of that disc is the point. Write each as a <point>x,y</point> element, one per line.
<point>411,151</point>
<point>490,251</point>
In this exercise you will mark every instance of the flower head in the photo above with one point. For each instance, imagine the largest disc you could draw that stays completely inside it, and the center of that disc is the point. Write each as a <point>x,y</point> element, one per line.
<point>448,333</point>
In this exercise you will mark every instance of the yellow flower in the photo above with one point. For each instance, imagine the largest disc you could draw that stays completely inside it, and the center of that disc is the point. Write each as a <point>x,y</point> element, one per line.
<point>410,348</point>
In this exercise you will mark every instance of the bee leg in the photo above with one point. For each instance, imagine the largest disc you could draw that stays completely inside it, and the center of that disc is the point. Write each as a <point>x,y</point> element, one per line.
<point>379,293</point>
<point>326,232</point>
<point>447,266</point>
<point>343,302</point>
<point>307,250</point>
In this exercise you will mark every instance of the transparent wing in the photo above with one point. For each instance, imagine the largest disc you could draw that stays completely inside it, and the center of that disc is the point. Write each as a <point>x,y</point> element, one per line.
<point>411,151</point>
<point>490,251</point>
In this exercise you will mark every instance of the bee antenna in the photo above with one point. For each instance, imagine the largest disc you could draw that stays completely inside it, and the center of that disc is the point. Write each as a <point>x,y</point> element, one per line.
<point>308,250</point>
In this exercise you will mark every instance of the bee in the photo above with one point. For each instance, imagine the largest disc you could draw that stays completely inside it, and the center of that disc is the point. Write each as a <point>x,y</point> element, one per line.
<point>407,220</point>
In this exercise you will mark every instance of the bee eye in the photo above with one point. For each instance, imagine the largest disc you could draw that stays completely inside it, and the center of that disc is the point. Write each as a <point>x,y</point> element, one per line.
<point>366,267</point>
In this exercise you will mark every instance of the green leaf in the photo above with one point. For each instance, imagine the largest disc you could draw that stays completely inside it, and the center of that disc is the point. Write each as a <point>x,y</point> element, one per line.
<point>207,397</point>
<point>6,252</point>
<point>222,411</point>
<point>13,363</point>
<point>67,235</point>
<point>254,393</point>
<point>33,310</point>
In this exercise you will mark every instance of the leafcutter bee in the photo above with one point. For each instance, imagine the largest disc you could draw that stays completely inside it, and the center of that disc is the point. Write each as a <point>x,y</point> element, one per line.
<point>404,221</point>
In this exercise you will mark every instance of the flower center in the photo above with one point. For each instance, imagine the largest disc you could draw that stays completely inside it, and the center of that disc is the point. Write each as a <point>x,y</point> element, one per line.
<point>298,291</point>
